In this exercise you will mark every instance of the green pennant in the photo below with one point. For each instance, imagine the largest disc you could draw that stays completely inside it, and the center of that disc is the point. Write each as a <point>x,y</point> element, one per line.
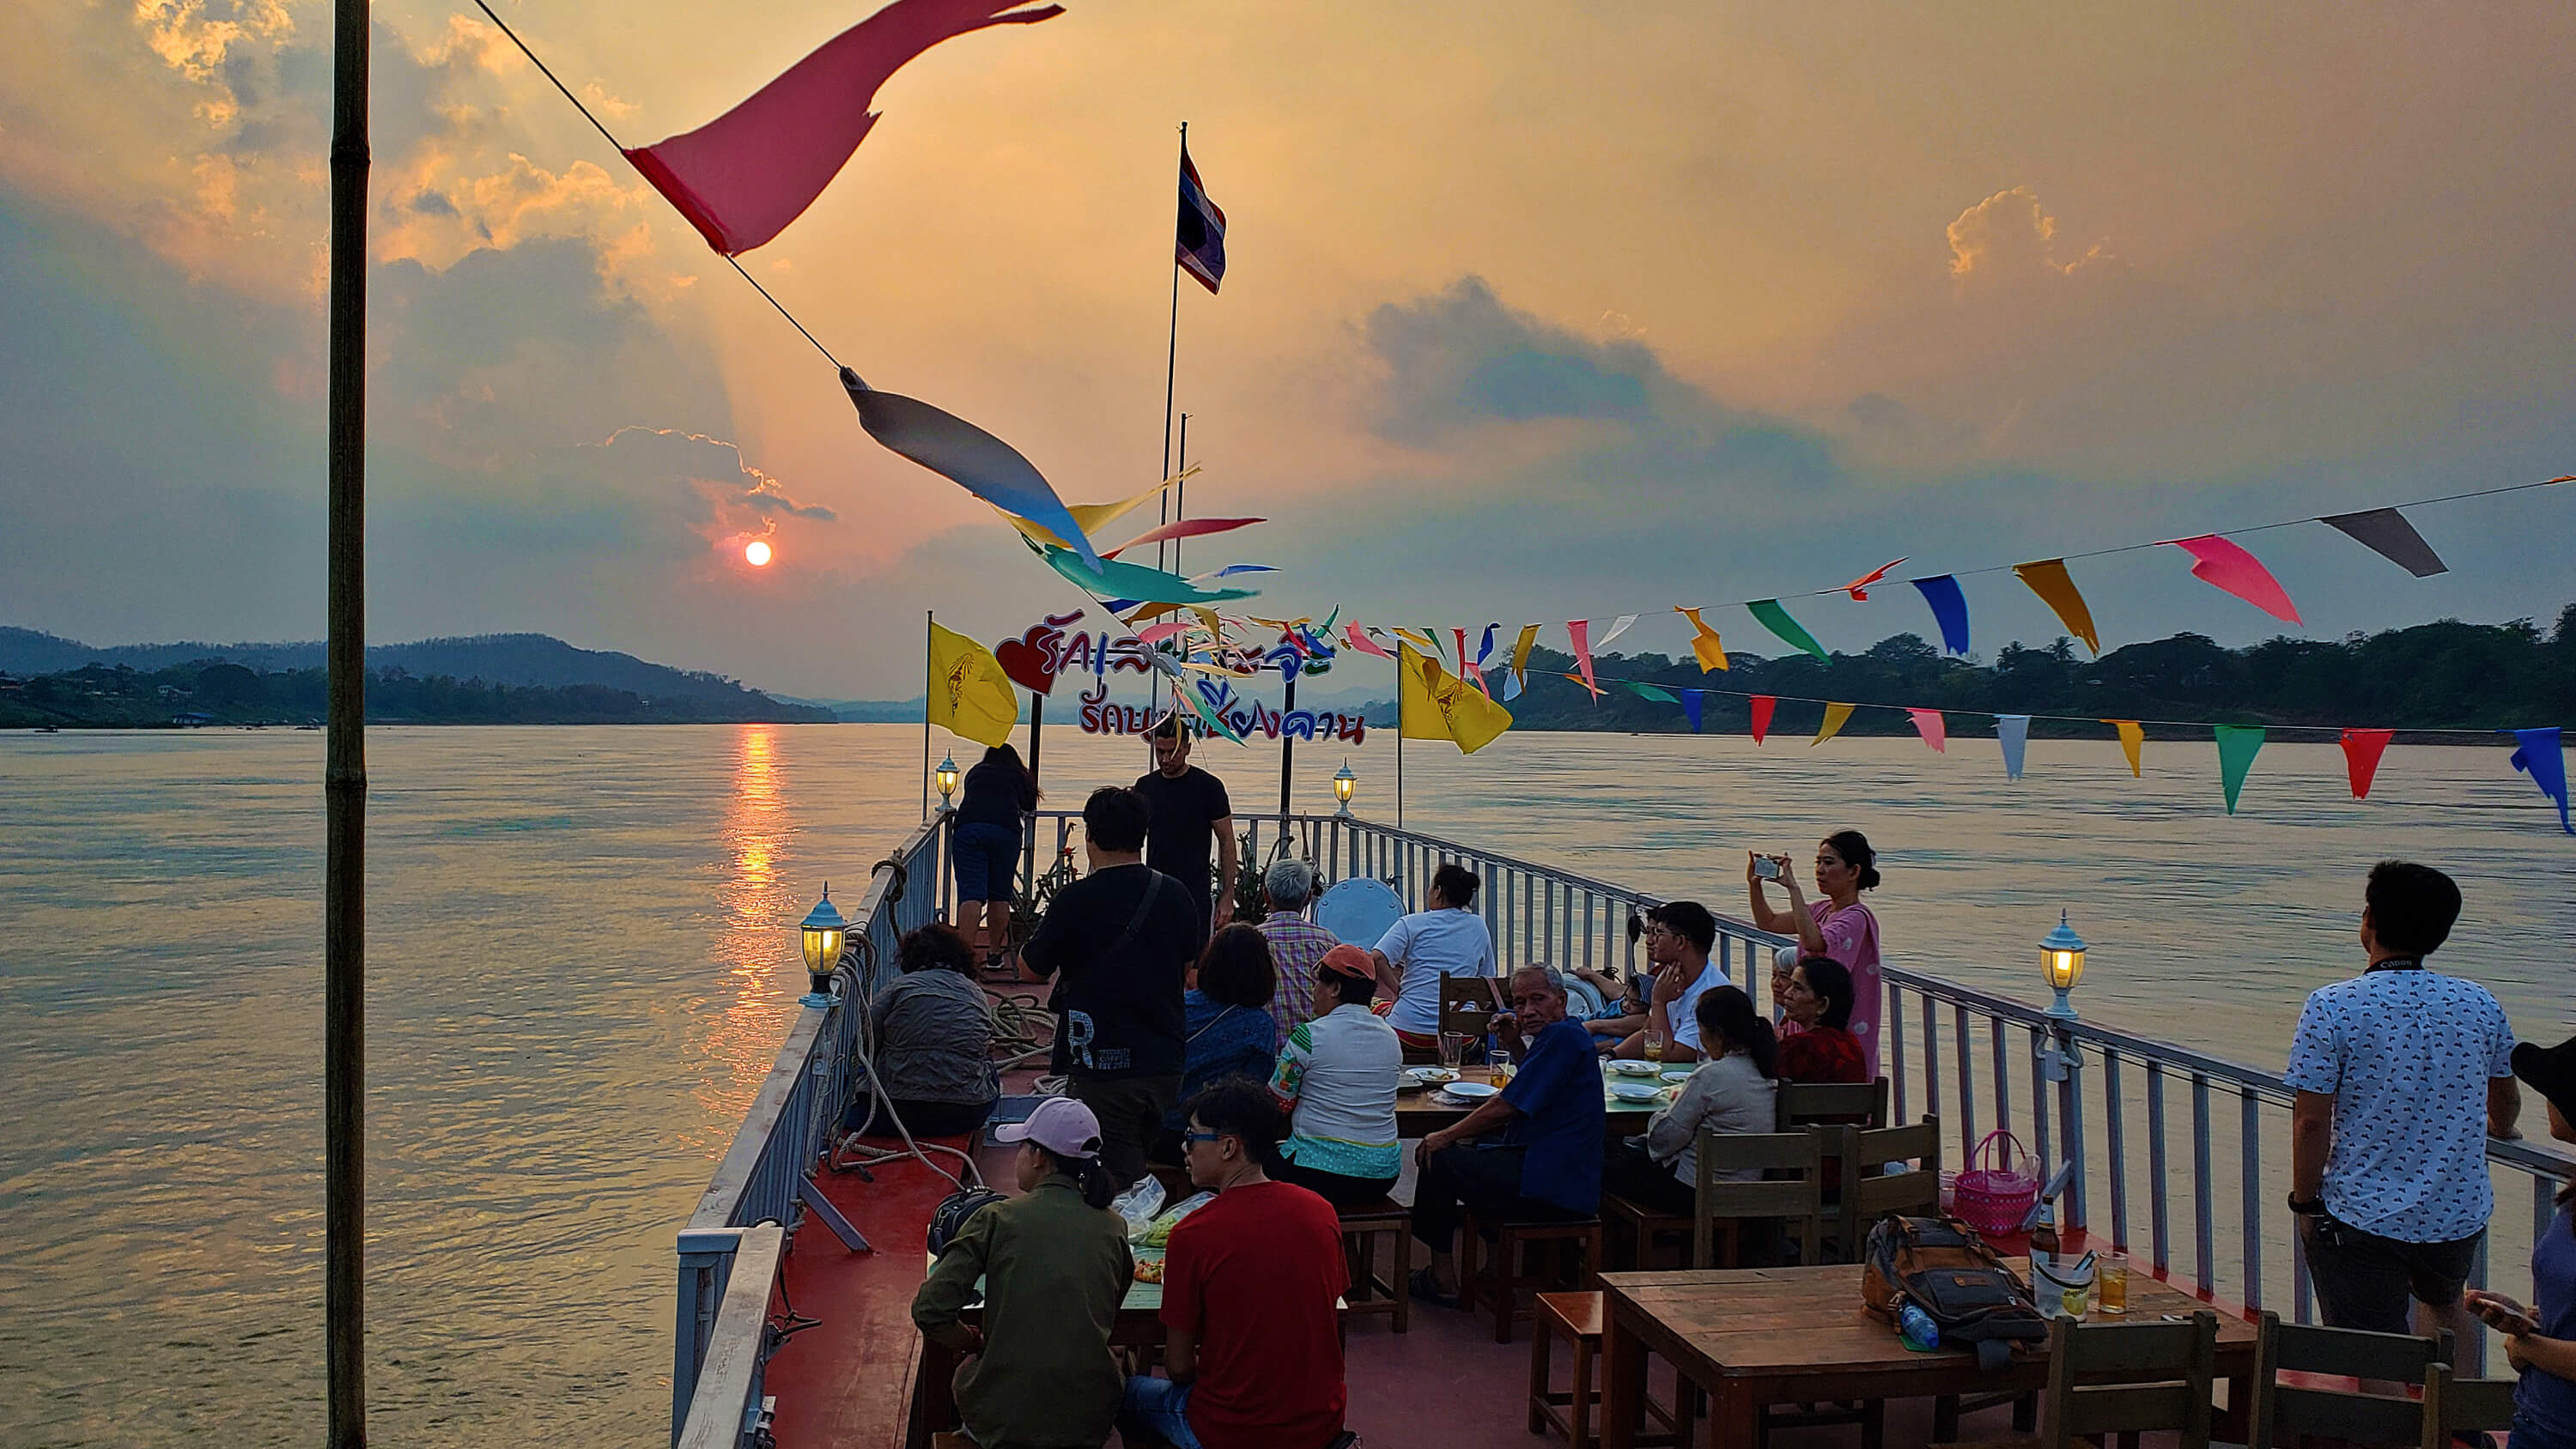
<point>1771,616</point>
<point>1654,692</point>
<point>2236,747</point>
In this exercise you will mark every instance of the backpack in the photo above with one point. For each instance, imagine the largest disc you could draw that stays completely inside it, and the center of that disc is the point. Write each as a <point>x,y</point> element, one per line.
<point>1942,1267</point>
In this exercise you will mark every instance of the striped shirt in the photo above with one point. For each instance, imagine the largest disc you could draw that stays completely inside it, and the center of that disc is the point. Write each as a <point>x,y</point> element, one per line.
<point>1297,948</point>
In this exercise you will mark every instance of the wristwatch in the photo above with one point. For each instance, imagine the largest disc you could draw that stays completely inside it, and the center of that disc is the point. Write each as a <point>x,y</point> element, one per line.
<point>2312,1207</point>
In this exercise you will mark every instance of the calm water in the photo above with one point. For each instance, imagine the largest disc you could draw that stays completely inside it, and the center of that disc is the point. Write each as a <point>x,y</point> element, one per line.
<point>582,961</point>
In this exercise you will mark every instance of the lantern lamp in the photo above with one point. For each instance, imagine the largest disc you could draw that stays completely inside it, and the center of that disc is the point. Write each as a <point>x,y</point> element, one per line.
<point>2061,957</point>
<point>1345,785</point>
<point>825,932</point>
<point>947,780</point>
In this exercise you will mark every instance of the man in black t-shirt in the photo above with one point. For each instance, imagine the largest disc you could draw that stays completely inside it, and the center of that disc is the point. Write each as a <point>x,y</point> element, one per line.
<point>1121,939</point>
<point>1191,811</point>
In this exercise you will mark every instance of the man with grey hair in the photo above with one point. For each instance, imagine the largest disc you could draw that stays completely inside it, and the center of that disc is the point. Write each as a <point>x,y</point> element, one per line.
<point>1297,945</point>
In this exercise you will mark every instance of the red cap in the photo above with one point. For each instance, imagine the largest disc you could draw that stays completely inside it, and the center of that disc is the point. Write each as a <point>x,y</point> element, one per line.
<point>1351,961</point>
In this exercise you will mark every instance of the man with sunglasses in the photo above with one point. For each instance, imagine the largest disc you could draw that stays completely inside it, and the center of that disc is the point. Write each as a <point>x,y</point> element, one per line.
<point>1250,1334</point>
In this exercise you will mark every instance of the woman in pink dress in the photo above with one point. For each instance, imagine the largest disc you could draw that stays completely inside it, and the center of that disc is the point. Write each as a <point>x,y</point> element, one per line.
<point>1837,925</point>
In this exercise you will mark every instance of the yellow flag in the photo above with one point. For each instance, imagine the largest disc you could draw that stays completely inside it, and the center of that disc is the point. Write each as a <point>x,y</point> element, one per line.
<point>1521,648</point>
<point>1419,640</point>
<point>1437,705</point>
<point>2048,579</point>
<point>2132,740</point>
<point>969,695</point>
<point>1835,714</point>
<point>1711,650</point>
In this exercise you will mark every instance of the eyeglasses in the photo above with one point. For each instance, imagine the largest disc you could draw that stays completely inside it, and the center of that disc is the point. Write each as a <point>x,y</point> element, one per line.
<point>1192,1139</point>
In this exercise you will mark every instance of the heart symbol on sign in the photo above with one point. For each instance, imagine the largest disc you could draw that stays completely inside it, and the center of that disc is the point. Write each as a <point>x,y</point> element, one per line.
<point>1029,666</point>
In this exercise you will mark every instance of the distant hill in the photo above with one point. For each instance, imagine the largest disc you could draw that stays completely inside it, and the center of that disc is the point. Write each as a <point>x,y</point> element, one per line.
<point>491,678</point>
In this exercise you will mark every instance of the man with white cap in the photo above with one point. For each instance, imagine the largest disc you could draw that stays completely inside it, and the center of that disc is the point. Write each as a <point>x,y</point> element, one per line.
<point>1054,1267</point>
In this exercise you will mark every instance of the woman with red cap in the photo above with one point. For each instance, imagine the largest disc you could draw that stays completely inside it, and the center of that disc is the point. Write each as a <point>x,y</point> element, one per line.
<point>1337,1077</point>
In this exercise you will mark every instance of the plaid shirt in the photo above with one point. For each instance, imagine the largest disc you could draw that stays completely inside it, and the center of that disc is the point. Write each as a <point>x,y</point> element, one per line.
<point>1297,948</point>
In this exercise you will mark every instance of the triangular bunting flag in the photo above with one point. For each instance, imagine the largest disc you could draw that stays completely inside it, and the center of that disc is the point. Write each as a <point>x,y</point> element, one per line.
<point>1618,627</point>
<point>1859,587</point>
<point>1835,715</point>
<point>1934,730</point>
<point>1776,619</point>
<point>1949,610</point>
<point>2013,730</point>
<point>2221,564</point>
<point>965,455</point>
<point>2133,741</point>
<point>2048,579</point>
<point>1185,528</point>
<point>2361,751</point>
<point>2540,755</point>
<point>1690,708</point>
<point>2385,532</point>
<point>1361,641</point>
<point>1706,647</point>
<point>1655,692</point>
<point>2237,745</point>
<point>1136,581</point>
<point>1579,630</point>
<point>1762,705</point>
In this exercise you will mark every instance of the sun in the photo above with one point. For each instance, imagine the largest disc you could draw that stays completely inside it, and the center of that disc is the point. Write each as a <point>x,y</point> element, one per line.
<point>756,554</point>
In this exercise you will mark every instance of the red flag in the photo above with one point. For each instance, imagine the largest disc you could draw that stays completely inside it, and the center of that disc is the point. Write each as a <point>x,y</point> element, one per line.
<point>2361,757</point>
<point>742,177</point>
<point>1763,704</point>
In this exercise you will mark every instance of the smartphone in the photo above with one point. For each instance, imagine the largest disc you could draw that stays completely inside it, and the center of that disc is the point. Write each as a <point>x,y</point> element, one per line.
<point>1765,868</point>
<point>2501,1313</point>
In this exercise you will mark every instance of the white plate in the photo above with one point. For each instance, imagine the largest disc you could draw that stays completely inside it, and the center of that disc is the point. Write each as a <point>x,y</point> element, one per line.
<point>1471,1091</point>
<point>1677,1075</point>
<point>1628,1068</point>
<point>1635,1091</point>
<point>1431,1074</point>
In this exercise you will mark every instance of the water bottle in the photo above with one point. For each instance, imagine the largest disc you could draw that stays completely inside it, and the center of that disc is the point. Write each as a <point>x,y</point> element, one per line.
<point>1916,1329</point>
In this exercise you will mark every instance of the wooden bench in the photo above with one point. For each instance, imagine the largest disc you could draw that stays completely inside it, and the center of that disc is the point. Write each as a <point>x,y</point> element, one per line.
<point>1391,1295</point>
<point>1576,1317</point>
<point>1507,1278</point>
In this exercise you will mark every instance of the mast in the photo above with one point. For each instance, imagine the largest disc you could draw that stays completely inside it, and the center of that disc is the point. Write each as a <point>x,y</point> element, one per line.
<point>1171,362</point>
<point>344,778</point>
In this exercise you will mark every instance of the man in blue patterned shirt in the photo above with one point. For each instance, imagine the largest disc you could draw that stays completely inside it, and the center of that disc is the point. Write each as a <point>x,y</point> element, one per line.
<point>2402,1074</point>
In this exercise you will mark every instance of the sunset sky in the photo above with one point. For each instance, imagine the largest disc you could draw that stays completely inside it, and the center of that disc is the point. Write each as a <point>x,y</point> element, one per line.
<point>1533,312</point>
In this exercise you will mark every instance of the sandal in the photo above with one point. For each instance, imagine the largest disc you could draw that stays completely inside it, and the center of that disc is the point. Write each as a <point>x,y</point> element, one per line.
<point>1423,1292</point>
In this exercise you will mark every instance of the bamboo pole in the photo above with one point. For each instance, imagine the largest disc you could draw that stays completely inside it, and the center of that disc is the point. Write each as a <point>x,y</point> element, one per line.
<point>344,780</point>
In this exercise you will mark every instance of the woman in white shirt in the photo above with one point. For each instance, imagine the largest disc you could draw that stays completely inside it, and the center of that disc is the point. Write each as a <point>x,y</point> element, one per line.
<point>1337,1076</point>
<point>1734,1090</point>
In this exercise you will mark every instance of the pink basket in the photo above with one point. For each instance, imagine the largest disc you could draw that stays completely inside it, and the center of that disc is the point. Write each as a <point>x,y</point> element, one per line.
<point>1999,1186</point>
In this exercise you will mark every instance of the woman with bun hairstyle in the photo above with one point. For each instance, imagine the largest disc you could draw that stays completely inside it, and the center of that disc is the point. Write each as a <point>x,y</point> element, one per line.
<point>1837,925</point>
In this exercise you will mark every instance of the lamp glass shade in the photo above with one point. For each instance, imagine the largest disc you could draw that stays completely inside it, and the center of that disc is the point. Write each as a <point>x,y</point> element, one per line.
<point>824,930</point>
<point>1345,784</point>
<point>947,776</point>
<point>2061,955</point>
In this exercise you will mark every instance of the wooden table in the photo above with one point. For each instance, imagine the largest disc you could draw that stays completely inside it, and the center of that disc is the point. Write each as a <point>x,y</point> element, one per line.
<point>1752,1337</point>
<point>1418,1112</point>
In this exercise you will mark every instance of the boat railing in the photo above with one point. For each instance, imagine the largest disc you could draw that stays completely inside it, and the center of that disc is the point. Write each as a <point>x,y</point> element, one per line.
<point>2199,1203</point>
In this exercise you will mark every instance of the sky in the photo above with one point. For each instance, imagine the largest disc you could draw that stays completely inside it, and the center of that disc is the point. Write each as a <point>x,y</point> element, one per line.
<point>1533,312</point>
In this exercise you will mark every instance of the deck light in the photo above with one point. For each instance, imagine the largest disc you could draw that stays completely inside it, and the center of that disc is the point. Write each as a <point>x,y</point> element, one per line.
<point>824,932</point>
<point>1345,785</point>
<point>2061,955</point>
<point>947,780</point>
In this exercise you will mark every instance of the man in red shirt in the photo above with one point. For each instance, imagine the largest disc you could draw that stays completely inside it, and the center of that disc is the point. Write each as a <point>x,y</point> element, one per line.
<point>1249,1284</point>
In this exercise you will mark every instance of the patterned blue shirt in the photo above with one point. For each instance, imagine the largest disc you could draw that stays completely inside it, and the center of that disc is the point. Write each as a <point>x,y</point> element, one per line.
<point>2407,1055</point>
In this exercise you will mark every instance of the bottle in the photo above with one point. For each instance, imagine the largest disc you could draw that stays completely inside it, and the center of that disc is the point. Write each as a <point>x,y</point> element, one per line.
<point>2043,1236</point>
<point>1916,1329</point>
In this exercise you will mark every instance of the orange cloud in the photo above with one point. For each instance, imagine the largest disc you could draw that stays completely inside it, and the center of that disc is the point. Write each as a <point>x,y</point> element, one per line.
<point>2010,233</point>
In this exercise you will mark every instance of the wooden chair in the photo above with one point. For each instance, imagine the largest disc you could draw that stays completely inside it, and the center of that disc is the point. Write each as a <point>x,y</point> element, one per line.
<point>1832,1104</point>
<point>1576,1318</point>
<point>1869,1193</point>
<point>2454,1405</point>
<point>2126,1378</point>
<point>1369,1293</point>
<point>2285,1412</point>
<point>1636,1230</point>
<point>1791,1189</point>
<point>1506,1277</point>
<point>1468,1005</point>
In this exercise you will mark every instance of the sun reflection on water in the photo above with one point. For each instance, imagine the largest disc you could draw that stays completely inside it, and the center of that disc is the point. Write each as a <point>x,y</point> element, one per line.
<point>755,941</point>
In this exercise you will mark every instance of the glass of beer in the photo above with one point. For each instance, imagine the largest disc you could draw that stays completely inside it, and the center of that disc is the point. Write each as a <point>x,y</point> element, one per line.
<point>1500,1073</point>
<point>1654,1046</point>
<point>1453,1045</point>
<point>2111,1283</point>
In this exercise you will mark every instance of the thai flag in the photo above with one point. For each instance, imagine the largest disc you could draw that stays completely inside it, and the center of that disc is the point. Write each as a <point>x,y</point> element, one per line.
<point>1200,243</point>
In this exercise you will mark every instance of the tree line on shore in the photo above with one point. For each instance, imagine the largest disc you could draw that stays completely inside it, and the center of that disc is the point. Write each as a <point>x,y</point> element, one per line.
<point>2445,675</point>
<point>100,696</point>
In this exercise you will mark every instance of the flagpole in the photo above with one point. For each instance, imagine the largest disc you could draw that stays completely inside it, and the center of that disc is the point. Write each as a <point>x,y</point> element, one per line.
<point>928,618</point>
<point>344,773</point>
<point>1171,362</point>
<point>1399,739</point>
<point>1181,491</point>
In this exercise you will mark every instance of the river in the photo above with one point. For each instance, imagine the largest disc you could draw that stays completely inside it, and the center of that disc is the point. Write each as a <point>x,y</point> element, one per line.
<point>582,958</point>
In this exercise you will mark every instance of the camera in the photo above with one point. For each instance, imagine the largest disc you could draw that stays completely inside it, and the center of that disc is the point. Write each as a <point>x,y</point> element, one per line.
<point>1765,868</point>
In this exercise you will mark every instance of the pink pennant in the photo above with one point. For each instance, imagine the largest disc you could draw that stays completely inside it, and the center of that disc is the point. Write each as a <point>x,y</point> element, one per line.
<point>742,177</point>
<point>1186,528</point>
<point>1580,631</point>
<point>2223,565</point>
<point>1859,587</point>
<point>2361,750</point>
<point>1929,724</point>
<point>1362,642</point>
<point>1467,669</point>
<point>1763,704</point>
<point>1162,631</point>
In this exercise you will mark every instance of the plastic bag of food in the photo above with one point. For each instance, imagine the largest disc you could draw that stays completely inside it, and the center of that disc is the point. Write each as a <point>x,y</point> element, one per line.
<point>1161,1231</point>
<point>1138,1205</point>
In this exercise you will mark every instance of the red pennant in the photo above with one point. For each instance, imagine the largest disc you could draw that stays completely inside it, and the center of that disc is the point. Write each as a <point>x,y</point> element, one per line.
<point>1762,707</point>
<point>2361,757</point>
